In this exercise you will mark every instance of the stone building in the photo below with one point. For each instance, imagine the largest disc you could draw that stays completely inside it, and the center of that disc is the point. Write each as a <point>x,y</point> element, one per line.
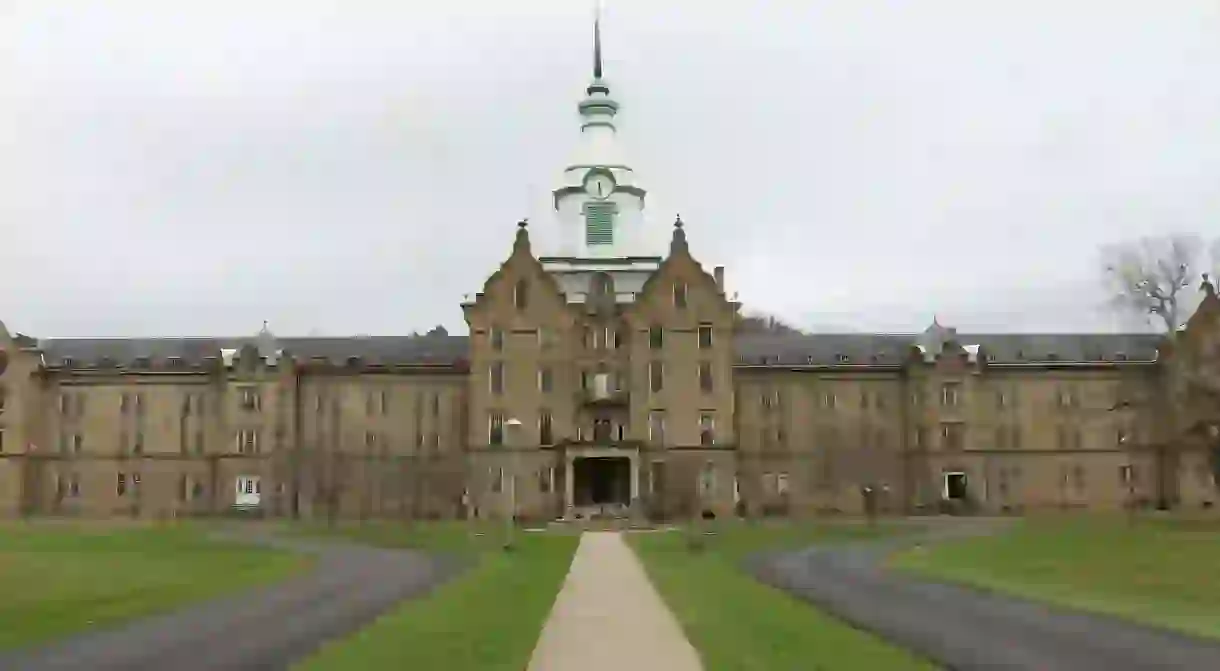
<point>607,378</point>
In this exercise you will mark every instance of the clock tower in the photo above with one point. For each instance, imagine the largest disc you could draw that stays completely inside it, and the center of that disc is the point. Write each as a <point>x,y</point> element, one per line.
<point>599,204</point>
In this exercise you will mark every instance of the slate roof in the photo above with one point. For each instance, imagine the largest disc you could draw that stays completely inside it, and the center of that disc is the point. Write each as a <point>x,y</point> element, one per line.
<point>863,348</point>
<point>372,349</point>
<point>756,349</point>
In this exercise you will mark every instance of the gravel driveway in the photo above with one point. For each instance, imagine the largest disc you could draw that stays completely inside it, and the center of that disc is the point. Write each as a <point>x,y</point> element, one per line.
<point>269,627</point>
<point>962,628</point>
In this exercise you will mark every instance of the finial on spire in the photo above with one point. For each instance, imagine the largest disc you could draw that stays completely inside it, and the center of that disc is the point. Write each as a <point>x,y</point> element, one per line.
<point>1208,287</point>
<point>678,244</point>
<point>522,239</point>
<point>597,40</point>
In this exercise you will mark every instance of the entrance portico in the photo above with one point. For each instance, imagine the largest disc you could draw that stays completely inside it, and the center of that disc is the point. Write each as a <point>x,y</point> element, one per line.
<point>599,477</point>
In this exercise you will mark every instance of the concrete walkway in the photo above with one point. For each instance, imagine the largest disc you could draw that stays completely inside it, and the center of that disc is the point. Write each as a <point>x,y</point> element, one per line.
<point>608,616</point>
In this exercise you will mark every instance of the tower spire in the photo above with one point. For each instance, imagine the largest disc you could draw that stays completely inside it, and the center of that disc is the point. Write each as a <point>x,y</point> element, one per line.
<point>597,40</point>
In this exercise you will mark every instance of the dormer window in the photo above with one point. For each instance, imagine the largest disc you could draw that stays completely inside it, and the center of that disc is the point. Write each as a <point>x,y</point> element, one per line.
<point>843,358</point>
<point>521,294</point>
<point>680,295</point>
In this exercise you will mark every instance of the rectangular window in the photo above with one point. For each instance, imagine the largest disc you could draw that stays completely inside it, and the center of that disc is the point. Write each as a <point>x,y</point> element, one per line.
<point>546,434</point>
<point>497,339</point>
<point>140,404</point>
<point>545,381</point>
<point>198,442</point>
<point>78,443</point>
<point>521,294</point>
<point>656,337</point>
<point>496,382</point>
<point>829,400</point>
<point>370,404</point>
<point>707,429</point>
<point>950,394</point>
<point>138,446</point>
<point>656,427</point>
<point>495,428</point>
<point>124,403</point>
<point>656,376</point>
<point>250,399</point>
<point>1014,440</point>
<point>680,295</point>
<point>599,223</point>
<point>385,402</point>
<point>120,484</point>
<point>705,336</point>
<point>247,441</point>
<point>705,377</point>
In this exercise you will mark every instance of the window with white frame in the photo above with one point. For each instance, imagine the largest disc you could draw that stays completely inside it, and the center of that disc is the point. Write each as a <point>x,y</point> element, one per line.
<point>248,490</point>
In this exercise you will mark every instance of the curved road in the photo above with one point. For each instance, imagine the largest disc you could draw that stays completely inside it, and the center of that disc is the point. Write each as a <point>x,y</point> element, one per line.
<point>962,628</point>
<point>269,627</point>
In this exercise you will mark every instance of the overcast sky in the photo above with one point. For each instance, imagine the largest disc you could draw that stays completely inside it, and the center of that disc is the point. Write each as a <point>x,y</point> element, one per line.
<point>195,168</point>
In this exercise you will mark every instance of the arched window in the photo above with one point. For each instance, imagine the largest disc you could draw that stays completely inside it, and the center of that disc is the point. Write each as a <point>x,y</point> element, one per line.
<point>521,294</point>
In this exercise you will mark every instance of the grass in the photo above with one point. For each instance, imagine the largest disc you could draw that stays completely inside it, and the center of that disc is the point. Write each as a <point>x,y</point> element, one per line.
<point>739,624</point>
<point>1157,571</point>
<point>488,618</point>
<point>59,579</point>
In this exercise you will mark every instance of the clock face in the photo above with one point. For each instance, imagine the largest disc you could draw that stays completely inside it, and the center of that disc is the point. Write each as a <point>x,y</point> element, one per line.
<point>599,184</point>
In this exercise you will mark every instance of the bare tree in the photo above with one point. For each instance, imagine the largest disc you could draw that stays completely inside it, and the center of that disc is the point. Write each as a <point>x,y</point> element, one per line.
<point>1154,278</point>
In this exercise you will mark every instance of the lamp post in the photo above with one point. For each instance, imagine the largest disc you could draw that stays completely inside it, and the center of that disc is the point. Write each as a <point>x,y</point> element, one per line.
<point>512,427</point>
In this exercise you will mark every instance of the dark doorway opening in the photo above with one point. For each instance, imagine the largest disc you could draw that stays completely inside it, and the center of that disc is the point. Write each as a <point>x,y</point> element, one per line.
<point>955,486</point>
<point>601,481</point>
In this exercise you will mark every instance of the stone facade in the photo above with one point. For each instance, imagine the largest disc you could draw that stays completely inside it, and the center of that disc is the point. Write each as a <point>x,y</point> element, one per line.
<point>552,386</point>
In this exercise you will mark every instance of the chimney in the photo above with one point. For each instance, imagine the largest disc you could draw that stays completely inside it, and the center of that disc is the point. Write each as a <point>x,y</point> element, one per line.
<point>718,273</point>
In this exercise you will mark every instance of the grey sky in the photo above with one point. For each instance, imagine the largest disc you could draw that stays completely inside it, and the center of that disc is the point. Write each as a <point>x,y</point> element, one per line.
<point>356,167</point>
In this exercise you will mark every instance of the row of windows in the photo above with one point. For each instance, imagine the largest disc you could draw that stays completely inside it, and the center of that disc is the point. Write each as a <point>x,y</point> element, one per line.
<point>590,380</point>
<point>249,399</point>
<point>606,338</point>
<point>951,395</point>
<point>602,429</point>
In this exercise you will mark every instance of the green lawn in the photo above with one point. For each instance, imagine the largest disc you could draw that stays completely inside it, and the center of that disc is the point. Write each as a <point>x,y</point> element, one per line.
<point>486,619</point>
<point>1158,571</point>
<point>739,624</point>
<point>59,579</point>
